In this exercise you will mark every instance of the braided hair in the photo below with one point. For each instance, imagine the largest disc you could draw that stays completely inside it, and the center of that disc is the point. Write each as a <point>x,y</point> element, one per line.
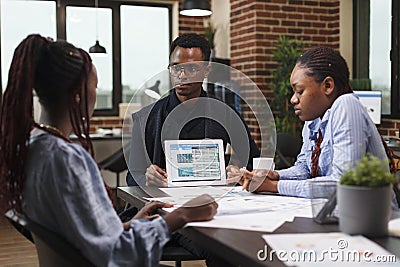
<point>58,72</point>
<point>322,62</point>
<point>191,40</point>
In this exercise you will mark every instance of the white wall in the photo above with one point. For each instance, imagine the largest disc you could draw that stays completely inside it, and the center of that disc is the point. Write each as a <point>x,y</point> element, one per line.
<point>346,32</point>
<point>221,20</point>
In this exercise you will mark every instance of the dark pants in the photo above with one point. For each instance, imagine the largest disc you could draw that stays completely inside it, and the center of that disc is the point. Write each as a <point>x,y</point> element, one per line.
<point>188,244</point>
<point>182,241</point>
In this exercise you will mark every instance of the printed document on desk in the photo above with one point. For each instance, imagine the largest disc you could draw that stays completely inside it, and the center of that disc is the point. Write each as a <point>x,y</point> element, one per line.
<point>242,210</point>
<point>394,227</point>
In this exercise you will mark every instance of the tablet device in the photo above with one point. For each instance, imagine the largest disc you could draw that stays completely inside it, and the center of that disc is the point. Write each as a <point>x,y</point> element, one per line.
<point>195,162</point>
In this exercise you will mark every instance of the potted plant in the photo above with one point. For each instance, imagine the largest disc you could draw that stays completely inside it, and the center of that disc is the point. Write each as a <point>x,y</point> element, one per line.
<point>361,84</point>
<point>286,122</point>
<point>209,34</point>
<point>364,198</point>
<point>286,53</point>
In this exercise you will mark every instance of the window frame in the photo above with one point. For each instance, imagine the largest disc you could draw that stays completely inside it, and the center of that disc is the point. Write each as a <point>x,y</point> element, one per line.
<point>114,5</point>
<point>361,35</point>
<point>116,40</point>
<point>394,57</point>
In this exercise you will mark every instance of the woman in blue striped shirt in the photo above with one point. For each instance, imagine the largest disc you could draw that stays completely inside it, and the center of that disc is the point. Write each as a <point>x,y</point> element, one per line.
<point>337,132</point>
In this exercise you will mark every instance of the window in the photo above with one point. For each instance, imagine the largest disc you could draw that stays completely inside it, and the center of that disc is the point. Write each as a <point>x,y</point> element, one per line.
<point>18,19</point>
<point>376,49</point>
<point>80,23</point>
<point>395,57</point>
<point>379,52</point>
<point>136,37</point>
<point>138,64</point>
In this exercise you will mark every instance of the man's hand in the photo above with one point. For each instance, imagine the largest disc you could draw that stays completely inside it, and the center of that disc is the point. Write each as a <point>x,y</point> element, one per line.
<point>155,176</point>
<point>235,175</point>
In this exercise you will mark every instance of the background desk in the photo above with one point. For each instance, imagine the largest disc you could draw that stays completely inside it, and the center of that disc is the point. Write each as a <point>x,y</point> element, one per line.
<point>394,144</point>
<point>237,246</point>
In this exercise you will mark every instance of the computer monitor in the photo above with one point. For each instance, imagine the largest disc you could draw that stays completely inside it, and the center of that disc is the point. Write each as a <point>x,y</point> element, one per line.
<point>372,101</point>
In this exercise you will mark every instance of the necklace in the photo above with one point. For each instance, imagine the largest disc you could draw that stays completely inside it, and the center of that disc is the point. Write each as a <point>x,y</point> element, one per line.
<point>52,130</point>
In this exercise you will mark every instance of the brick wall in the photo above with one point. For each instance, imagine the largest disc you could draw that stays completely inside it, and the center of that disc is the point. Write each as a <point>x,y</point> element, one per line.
<point>256,26</point>
<point>388,127</point>
<point>190,24</point>
<point>105,123</point>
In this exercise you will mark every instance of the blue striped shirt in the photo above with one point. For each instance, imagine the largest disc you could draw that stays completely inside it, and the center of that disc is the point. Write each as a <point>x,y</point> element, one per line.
<point>348,134</point>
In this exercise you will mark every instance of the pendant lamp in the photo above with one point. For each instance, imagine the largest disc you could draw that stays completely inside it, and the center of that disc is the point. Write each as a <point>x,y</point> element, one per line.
<point>154,91</point>
<point>196,8</point>
<point>97,48</point>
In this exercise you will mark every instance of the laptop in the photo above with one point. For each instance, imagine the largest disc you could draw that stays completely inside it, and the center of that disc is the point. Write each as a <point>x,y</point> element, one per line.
<point>195,162</point>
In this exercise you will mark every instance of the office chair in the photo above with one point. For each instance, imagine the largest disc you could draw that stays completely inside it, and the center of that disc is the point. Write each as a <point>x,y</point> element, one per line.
<point>115,163</point>
<point>19,224</point>
<point>287,149</point>
<point>396,187</point>
<point>52,249</point>
<point>178,254</point>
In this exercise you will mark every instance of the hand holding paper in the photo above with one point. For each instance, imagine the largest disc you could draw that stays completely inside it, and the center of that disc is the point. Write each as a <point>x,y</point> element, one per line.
<point>201,208</point>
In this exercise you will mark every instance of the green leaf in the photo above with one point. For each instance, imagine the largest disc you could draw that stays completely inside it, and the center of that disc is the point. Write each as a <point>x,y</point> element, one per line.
<point>286,54</point>
<point>370,171</point>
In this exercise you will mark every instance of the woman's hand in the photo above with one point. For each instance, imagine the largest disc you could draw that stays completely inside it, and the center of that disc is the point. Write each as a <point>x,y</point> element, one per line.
<point>253,181</point>
<point>260,181</point>
<point>201,208</point>
<point>235,175</point>
<point>149,210</point>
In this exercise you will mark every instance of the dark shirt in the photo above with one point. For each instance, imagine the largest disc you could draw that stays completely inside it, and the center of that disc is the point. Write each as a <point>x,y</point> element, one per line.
<point>148,126</point>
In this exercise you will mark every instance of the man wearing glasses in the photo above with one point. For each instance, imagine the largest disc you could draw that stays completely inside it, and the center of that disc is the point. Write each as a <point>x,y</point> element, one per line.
<point>188,67</point>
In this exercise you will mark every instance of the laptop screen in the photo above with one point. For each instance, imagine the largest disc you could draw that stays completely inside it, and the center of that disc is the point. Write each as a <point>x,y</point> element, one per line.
<point>195,162</point>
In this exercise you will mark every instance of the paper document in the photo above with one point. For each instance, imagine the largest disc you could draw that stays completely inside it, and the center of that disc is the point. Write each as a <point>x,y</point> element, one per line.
<point>192,192</point>
<point>262,222</point>
<point>394,227</point>
<point>239,209</point>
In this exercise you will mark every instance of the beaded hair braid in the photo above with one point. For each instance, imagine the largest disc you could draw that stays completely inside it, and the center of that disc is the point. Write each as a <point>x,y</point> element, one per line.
<point>58,72</point>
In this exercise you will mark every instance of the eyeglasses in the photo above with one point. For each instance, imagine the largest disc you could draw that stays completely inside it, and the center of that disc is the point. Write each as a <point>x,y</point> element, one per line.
<point>190,70</point>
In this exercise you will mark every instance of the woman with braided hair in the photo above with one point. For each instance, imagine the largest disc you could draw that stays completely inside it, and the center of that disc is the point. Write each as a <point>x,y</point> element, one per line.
<point>57,183</point>
<point>337,131</point>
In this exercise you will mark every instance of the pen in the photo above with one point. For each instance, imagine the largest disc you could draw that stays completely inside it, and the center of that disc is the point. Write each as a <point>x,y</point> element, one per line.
<point>245,182</point>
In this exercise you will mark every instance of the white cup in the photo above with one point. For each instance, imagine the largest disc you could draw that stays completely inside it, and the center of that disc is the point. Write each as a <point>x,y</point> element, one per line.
<point>263,164</point>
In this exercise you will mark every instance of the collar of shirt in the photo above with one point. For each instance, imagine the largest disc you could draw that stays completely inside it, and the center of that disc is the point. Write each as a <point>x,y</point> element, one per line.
<point>174,101</point>
<point>319,124</point>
